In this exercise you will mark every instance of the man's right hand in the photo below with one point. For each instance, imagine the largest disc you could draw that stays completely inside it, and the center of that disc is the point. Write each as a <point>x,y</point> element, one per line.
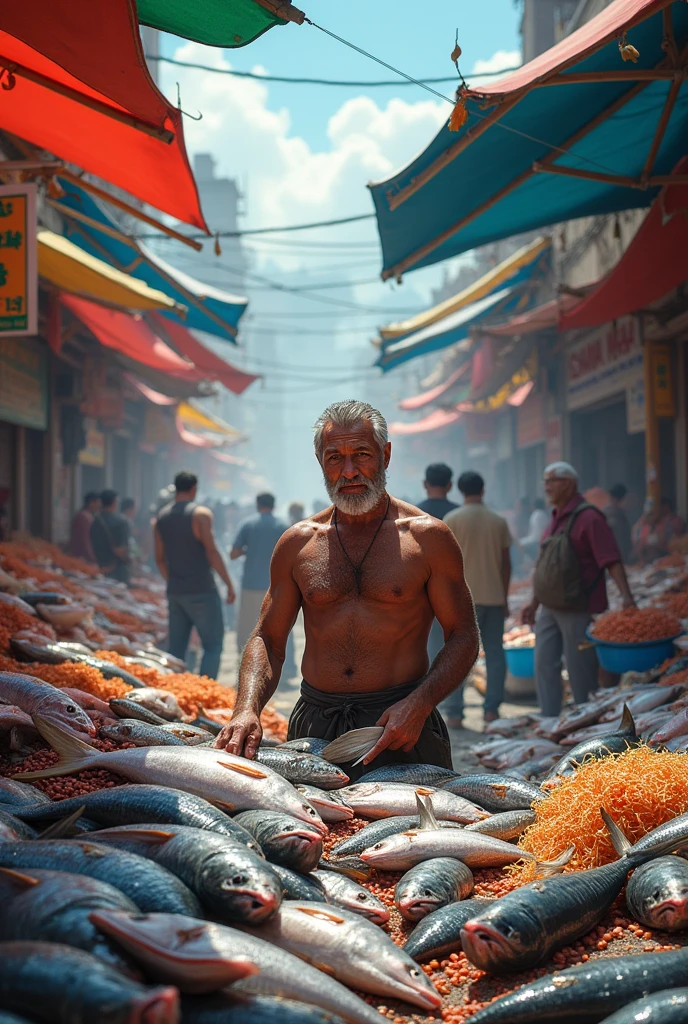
<point>242,735</point>
<point>529,612</point>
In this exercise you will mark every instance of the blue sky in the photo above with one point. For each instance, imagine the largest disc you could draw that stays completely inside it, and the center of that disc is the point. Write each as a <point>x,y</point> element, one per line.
<point>414,37</point>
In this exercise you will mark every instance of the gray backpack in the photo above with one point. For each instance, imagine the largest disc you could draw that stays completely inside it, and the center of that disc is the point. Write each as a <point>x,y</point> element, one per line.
<point>557,582</point>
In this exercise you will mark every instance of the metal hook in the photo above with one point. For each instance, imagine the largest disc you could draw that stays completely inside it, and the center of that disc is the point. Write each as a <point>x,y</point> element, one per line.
<point>185,112</point>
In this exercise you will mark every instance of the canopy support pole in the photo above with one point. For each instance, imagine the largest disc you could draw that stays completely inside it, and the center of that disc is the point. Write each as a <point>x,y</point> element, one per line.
<point>612,179</point>
<point>163,134</point>
<point>283,9</point>
<point>192,299</point>
<point>127,208</point>
<point>662,124</point>
<point>653,485</point>
<point>545,163</point>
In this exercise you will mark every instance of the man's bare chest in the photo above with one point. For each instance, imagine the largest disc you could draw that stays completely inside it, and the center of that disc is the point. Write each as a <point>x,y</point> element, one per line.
<point>392,572</point>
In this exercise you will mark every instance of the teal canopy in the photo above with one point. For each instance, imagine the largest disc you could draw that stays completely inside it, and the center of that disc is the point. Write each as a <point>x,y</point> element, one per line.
<point>90,227</point>
<point>579,131</point>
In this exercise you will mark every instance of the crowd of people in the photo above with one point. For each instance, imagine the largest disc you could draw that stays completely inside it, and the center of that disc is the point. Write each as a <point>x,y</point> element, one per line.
<point>570,549</point>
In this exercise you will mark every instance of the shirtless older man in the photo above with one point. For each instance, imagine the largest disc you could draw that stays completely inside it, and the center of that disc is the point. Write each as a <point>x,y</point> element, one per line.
<point>370,572</point>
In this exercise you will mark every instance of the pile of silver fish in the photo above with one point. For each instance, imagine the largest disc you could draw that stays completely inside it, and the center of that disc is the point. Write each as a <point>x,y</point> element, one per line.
<point>198,891</point>
<point>536,748</point>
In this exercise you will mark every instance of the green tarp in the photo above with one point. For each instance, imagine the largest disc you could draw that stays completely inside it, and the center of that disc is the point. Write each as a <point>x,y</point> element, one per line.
<point>226,23</point>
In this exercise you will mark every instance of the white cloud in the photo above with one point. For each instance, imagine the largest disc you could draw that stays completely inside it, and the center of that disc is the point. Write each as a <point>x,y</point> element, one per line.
<point>287,180</point>
<point>499,61</point>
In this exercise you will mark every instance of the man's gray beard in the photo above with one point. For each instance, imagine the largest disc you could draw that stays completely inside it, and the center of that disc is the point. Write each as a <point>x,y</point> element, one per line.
<point>358,504</point>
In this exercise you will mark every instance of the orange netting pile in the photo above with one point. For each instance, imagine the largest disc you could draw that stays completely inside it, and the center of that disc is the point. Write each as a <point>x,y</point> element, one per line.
<point>635,625</point>
<point>641,789</point>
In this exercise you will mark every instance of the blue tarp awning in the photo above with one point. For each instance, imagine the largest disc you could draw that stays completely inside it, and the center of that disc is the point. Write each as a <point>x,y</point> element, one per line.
<point>90,227</point>
<point>579,131</point>
<point>450,331</point>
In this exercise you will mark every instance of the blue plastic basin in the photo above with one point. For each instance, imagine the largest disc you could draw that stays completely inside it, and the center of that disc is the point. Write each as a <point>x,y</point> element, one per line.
<point>640,657</point>
<point>521,661</point>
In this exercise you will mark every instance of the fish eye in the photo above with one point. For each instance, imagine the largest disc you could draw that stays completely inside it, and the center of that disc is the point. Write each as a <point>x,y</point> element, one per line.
<point>414,972</point>
<point>239,880</point>
<point>427,892</point>
<point>378,846</point>
<point>361,896</point>
<point>70,709</point>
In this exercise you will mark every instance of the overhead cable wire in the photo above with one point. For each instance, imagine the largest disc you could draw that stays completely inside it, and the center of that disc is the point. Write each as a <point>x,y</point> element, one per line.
<point>322,81</point>
<point>268,231</point>
<point>481,117</point>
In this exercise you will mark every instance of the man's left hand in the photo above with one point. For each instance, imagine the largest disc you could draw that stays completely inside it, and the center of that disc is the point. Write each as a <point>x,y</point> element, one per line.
<point>403,723</point>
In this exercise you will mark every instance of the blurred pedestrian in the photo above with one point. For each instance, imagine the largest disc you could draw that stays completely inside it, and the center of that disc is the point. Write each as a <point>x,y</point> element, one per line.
<point>616,516</point>
<point>484,539</point>
<point>186,555</point>
<point>80,533</point>
<point>569,587</point>
<point>128,510</point>
<point>255,541</point>
<point>437,484</point>
<point>537,524</point>
<point>297,513</point>
<point>110,535</point>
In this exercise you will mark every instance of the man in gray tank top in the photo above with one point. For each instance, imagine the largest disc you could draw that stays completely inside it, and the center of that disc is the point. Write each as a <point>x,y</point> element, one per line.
<point>186,555</point>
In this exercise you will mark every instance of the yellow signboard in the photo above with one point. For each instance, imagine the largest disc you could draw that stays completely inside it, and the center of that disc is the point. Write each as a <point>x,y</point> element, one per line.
<point>18,271</point>
<point>663,384</point>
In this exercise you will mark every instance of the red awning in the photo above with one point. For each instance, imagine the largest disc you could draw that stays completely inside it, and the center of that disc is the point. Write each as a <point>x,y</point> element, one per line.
<point>418,401</point>
<point>131,336</point>
<point>75,83</point>
<point>213,366</point>
<point>433,421</point>
<point>156,397</point>
<point>538,319</point>
<point>572,49</point>
<point>655,262</point>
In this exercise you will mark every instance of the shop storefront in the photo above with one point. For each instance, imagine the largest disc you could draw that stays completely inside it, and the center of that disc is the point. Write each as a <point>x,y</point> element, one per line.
<point>24,417</point>
<point>605,405</point>
<point>531,425</point>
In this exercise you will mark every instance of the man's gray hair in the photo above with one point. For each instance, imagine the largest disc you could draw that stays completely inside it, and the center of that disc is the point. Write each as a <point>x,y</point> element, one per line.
<point>347,414</point>
<point>563,469</point>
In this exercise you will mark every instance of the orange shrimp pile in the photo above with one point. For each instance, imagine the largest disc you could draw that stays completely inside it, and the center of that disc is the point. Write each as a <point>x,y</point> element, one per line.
<point>677,604</point>
<point>641,789</point>
<point>635,625</point>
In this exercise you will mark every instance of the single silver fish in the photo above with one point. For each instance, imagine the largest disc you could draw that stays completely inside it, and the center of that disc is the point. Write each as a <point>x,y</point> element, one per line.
<point>330,806</point>
<point>352,950</point>
<point>141,734</point>
<point>197,956</point>
<point>46,703</point>
<point>431,885</point>
<point>232,783</point>
<point>507,825</point>
<point>346,893</point>
<point>657,894</point>
<point>390,799</point>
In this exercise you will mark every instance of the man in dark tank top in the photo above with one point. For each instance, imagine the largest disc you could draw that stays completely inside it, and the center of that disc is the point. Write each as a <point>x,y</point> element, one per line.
<point>186,555</point>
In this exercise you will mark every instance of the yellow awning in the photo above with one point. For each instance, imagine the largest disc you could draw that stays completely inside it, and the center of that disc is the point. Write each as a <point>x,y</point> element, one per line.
<point>194,418</point>
<point>74,270</point>
<point>494,279</point>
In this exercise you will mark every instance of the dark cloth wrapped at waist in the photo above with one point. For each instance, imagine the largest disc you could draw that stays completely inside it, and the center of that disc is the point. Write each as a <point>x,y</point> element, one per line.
<point>327,715</point>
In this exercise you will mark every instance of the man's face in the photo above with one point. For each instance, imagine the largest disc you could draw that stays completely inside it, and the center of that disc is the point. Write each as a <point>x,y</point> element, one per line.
<point>558,489</point>
<point>130,512</point>
<point>94,505</point>
<point>354,467</point>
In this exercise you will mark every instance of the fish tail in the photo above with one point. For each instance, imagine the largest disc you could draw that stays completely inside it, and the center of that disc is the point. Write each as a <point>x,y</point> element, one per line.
<point>619,841</point>
<point>545,868</point>
<point>65,826</point>
<point>75,755</point>
<point>352,744</point>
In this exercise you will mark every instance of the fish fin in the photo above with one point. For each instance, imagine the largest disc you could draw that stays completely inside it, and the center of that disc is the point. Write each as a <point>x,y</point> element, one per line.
<point>141,835</point>
<point>325,915</point>
<point>627,723</point>
<point>75,755</point>
<point>20,877</point>
<point>63,827</point>
<point>247,769</point>
<point>545,868</point>
<point>224,805</point>
<point>425,810</point>
<point>353,744</point>
<point>619,841</point>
